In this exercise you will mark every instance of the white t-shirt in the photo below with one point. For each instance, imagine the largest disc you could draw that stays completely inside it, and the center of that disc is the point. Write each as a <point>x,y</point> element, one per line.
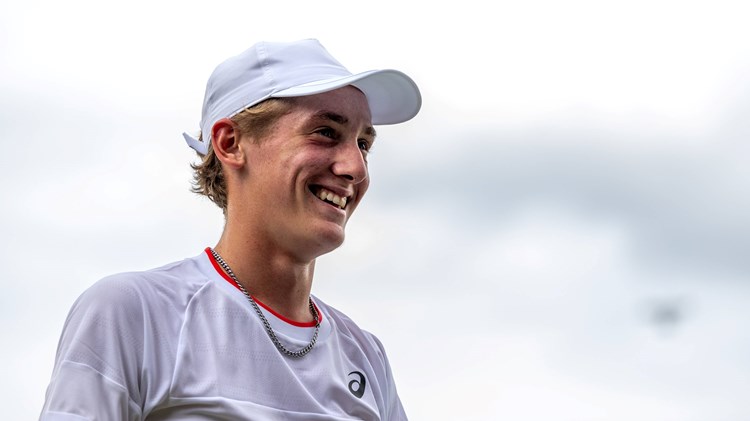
<point>183,343</point>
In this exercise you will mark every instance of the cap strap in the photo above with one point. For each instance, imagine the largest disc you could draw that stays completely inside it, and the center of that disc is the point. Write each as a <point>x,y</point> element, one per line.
<point>197,145</point>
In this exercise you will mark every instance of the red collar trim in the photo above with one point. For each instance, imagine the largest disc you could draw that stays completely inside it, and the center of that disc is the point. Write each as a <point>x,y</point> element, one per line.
<point>223,274</point>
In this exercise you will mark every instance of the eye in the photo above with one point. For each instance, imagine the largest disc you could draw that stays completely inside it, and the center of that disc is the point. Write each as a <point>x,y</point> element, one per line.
<point>364,145</point>
<point>328,132</point>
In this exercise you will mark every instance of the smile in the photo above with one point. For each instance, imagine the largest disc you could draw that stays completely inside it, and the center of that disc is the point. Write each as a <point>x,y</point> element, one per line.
<point>329,197</point>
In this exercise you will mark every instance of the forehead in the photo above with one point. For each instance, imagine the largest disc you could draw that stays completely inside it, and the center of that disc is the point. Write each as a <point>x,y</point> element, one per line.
<point>348,102</point>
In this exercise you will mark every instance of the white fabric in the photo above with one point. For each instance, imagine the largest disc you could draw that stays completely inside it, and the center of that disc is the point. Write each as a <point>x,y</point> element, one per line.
<point>300,68</point>
<point>181,343</point>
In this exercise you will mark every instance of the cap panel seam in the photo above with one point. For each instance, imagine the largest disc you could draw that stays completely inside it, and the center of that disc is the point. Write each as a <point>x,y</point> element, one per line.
<point>268,73</point>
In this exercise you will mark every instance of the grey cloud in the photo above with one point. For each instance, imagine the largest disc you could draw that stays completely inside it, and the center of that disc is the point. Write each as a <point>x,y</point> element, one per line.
<point>686,200</point>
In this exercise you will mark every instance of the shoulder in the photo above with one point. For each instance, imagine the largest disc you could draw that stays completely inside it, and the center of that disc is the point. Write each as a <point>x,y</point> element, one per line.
<point>119,342</point>
<point>365,350</point>
<point>349,329</point>
<point>174,284</point>
<point>124,307</point>
<point>123,318</point>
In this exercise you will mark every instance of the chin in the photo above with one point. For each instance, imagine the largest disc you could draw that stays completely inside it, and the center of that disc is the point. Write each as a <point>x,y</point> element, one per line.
<point>329,241</point>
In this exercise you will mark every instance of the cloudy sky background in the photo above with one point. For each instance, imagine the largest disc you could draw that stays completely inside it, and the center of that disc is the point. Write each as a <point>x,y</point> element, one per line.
<point>562,233</point>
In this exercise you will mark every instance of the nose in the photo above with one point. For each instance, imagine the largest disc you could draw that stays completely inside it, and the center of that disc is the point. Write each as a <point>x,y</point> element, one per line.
<point>349,162</point>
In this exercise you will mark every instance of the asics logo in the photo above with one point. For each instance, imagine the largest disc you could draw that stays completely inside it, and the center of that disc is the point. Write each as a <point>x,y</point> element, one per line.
<point>357,386</point>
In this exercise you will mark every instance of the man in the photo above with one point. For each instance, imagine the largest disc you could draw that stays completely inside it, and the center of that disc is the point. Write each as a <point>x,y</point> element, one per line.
<point>234,333</point>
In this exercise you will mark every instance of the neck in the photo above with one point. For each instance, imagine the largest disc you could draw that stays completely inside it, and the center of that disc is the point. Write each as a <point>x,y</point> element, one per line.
<point>275,278</point>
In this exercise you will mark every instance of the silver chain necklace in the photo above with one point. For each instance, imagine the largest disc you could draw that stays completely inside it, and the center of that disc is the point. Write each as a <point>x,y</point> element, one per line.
<point>266,324</point>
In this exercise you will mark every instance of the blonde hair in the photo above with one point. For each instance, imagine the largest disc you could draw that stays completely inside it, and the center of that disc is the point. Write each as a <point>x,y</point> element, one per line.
<point>256,121</point>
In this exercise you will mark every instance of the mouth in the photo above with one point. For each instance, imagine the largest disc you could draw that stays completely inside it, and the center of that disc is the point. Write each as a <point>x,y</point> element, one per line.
<point>329,197</point>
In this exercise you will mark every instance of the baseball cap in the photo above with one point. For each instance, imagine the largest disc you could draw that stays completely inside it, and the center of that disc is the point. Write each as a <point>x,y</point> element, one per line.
<point>293,69</point>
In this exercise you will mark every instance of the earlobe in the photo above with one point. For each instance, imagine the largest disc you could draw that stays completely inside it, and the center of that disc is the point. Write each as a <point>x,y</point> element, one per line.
<point>225,140</point>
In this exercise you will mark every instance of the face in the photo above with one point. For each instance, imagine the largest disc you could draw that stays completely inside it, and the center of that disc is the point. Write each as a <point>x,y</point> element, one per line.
<point>306,178</point>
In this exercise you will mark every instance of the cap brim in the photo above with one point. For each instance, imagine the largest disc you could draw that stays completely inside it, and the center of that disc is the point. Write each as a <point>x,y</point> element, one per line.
<point>393,96</point>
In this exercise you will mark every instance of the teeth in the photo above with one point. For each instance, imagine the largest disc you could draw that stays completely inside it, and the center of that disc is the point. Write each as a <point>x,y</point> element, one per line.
<point>329,196</point>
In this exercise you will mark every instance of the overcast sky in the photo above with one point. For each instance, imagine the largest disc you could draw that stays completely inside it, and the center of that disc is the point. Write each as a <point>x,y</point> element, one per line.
<point>562,233</point>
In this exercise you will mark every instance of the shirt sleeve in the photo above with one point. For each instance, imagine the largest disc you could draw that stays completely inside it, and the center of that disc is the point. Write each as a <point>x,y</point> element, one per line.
<point>394,408</point>
<point>96,372</point>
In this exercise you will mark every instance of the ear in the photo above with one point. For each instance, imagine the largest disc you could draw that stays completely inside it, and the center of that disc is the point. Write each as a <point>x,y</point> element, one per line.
<point>225,139</point>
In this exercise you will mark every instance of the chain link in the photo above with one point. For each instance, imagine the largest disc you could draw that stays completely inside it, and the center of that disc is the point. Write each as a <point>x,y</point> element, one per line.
<point>295,354</point>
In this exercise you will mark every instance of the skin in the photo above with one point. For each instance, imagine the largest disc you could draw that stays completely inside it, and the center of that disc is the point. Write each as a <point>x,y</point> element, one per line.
<point>276,226</point>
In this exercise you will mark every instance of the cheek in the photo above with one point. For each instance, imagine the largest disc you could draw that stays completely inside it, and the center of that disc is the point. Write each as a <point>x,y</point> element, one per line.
<point>307,163</point>
<point>362,187</point>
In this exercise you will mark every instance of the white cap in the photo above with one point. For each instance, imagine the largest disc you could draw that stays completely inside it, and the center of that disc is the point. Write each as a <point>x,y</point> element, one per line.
<point>301,68</point>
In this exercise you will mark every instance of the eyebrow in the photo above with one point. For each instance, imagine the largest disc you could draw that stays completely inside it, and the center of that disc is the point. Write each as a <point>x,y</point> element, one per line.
<point>340,119</point>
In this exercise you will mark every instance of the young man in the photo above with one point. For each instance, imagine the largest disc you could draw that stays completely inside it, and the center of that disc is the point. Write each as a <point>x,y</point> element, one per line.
<point>234,333</point>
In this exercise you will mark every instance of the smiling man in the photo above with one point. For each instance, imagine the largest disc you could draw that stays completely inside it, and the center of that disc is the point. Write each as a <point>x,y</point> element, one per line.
<point>234,332</point>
